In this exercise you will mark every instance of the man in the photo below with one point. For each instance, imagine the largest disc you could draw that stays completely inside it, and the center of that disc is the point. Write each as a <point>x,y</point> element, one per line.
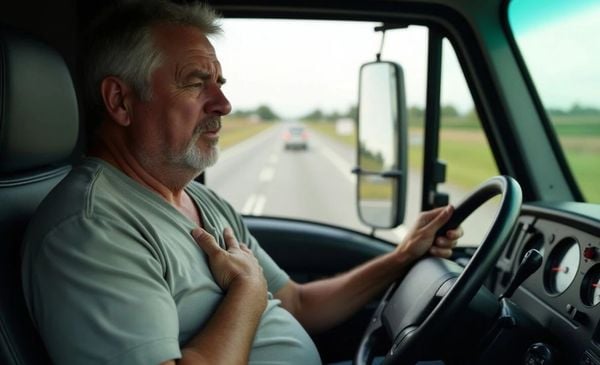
<point>129,261</point>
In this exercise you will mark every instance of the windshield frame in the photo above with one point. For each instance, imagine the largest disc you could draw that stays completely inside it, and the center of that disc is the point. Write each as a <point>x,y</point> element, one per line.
<point>539,106</point>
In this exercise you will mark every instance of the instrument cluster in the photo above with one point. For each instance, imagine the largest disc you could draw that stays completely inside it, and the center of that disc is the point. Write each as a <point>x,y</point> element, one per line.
<point>570,273</point>
<point>563,295</point>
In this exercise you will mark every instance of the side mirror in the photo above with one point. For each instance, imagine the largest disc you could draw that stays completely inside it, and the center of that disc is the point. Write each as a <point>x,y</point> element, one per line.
<point>382,147</point>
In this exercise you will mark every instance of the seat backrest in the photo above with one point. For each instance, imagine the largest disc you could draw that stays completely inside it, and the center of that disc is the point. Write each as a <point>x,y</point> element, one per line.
<point>38,132</point>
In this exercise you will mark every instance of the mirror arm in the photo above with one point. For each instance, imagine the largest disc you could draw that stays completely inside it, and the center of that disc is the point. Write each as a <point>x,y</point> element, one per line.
<point>389,173</point>
<point>392,173</point>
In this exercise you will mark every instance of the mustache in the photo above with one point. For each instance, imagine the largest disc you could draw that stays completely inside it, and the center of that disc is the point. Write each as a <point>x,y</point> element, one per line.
<point>209,124</point>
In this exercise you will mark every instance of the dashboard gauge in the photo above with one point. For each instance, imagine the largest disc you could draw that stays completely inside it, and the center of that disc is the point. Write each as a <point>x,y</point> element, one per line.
<point>562,266</point>
<point>590,290</point>
<point>535,242</point>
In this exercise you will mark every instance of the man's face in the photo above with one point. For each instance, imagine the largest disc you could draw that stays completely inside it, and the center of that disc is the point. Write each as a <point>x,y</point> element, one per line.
<point>179,127</point>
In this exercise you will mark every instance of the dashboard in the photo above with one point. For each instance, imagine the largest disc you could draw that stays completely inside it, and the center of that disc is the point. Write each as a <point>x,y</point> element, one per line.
<point>563,294</point>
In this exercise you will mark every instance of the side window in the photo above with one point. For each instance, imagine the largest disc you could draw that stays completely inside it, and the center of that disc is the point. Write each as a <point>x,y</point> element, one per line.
<point>463,146</point>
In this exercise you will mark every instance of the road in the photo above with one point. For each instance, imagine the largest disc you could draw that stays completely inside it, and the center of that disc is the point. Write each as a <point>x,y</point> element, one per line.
<point>259,177</point>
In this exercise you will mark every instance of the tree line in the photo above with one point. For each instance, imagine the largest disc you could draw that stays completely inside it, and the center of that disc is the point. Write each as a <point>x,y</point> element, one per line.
<point>265,113</point>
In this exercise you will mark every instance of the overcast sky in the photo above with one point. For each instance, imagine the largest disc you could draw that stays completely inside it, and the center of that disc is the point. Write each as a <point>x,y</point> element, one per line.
<point>297,66</point>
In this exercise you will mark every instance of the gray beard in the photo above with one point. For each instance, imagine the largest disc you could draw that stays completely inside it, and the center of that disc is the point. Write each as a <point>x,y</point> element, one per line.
<point>192,158</point>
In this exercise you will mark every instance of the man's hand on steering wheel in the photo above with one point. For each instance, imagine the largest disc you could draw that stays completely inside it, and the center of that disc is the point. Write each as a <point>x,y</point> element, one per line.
<point>422,236</point>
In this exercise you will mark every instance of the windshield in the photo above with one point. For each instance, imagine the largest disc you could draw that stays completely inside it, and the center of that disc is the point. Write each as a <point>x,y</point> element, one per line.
<point>558,40</point>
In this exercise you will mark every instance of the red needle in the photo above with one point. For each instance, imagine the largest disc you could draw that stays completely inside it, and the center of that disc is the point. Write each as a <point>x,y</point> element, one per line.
<point>595,285</point>
<point>559,269</point>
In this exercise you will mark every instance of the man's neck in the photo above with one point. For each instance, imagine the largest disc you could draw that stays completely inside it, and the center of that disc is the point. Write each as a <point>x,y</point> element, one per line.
<point>171,190</point>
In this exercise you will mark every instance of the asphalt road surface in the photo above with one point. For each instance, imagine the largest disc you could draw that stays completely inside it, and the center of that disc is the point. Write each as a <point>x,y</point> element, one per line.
<point>260,177</point>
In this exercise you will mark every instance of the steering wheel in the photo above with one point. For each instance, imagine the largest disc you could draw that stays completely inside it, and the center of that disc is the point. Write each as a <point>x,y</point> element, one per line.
<point>416,310</point>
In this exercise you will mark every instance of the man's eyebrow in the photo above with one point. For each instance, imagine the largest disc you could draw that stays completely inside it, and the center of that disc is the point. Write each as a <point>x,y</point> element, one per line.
<point>202,75</point>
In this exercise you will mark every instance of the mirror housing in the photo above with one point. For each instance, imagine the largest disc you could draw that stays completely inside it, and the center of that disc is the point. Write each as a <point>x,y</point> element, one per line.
<point>382,145</point>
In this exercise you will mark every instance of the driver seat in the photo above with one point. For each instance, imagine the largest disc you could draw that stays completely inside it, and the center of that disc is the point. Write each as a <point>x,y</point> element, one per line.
<point>38,133</point>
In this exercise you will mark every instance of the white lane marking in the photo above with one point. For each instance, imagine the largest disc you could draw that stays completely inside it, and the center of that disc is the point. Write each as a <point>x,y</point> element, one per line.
<point>339,163</point>
<point>260,205</point>
<point>266,174</point>
<point>247,209</point>
<point>274,159</point>
<point>255,205</point>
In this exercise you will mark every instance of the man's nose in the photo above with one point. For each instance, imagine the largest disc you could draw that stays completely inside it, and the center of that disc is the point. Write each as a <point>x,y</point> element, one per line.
<point>218,103</point>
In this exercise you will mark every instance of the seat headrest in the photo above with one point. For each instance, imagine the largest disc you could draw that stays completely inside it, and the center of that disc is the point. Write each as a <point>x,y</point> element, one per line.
<point>39,120</point>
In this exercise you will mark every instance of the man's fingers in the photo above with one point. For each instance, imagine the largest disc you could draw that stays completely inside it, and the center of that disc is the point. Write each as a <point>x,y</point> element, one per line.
<point>440,218</point>
<point>443,242</point>
<point>230,240</point>
<point>426,217</point>
<point>206,242</point>
<point>440,252</point>
<point>454,234</point>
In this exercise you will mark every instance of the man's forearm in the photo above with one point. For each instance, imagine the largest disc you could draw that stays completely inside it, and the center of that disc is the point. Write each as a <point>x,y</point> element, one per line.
<point>324,303</point>
<point>228,335</point>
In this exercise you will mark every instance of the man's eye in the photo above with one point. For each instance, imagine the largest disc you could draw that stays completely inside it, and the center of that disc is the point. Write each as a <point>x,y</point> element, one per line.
<point>194,85</point>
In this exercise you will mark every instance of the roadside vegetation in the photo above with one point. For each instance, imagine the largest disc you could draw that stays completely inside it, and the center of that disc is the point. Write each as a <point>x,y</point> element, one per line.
<point>236,130</point>
<point>463,145</point>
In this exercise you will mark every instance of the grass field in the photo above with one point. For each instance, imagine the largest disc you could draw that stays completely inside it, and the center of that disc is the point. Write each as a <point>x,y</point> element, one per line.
<point>236,130</point>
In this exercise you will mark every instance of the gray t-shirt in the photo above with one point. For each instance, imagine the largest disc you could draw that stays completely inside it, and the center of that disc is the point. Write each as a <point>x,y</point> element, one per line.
<point>112,275</point>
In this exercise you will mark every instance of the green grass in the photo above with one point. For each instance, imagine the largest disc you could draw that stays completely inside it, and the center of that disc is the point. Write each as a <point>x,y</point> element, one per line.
<point>466,152</point>
<point>584,125</point>
<point>236,130</point>
<point>587,168</point>
<point>468,158</point>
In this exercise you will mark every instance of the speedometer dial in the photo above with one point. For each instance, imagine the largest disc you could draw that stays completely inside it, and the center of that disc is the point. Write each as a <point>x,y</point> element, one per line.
<point>590,290</point>
<point>562,266</point>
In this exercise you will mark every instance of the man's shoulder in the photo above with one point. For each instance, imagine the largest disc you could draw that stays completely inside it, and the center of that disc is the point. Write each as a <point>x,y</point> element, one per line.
<point>69,196</point>
<point>77,195</point>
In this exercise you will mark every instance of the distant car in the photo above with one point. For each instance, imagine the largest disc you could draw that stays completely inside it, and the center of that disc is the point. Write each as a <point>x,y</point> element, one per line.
<point>295,138</point>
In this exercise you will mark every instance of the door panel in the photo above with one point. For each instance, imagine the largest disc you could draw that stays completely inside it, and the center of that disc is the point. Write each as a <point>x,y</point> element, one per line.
<point>307,250</point>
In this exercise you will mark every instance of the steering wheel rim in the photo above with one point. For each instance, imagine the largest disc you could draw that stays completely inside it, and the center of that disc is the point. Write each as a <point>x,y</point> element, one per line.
<point>404,347</point>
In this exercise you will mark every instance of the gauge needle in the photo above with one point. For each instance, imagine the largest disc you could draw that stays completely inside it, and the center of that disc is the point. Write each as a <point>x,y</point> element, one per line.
<point>561,269</point>
<point>595,285</point>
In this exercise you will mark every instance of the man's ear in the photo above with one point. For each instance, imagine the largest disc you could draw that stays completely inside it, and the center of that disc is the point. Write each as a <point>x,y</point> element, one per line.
<point>116,95</point>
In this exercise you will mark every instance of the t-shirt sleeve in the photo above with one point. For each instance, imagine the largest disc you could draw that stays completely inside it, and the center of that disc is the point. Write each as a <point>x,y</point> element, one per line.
<point>104,274</point>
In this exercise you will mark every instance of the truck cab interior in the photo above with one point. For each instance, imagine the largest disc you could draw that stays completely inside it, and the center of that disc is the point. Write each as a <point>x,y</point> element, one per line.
<point>525,290</point>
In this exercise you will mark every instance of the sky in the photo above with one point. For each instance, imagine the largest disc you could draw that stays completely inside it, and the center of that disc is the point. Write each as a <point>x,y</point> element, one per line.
<point>295,67</point>
<point>564,58</point>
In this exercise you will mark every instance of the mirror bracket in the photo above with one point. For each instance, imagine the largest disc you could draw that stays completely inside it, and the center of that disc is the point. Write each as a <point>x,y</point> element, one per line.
<point>389,173</point>
<point>392,173</point>
<point>437,199</point>
<point>439,171</point>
